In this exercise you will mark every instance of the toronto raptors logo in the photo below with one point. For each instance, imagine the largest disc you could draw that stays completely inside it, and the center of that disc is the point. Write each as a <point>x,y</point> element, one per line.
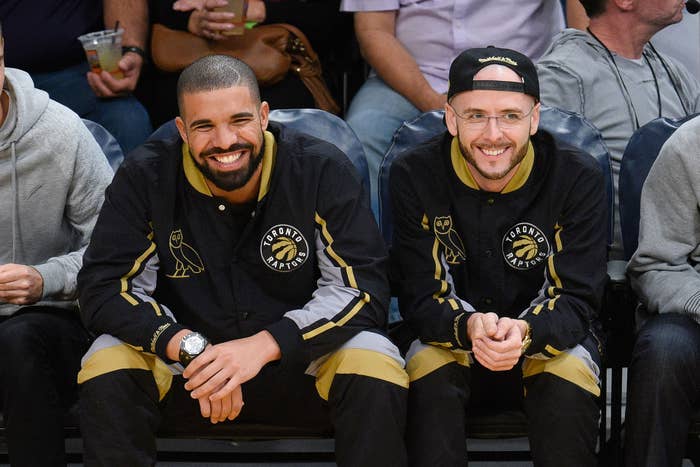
<point>525,246</point>
<point>283,248</point>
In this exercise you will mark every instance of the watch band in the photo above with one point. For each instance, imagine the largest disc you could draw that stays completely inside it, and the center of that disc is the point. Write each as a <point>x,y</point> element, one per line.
<point>136,50</point>
<point>186,356</point>
<point>527,340</point>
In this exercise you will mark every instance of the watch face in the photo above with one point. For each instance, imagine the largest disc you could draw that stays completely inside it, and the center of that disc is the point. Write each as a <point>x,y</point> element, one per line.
<point>194,344</point>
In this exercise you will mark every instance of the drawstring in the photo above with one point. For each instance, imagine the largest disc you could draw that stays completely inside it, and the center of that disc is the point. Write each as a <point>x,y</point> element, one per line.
<point>15,201</point>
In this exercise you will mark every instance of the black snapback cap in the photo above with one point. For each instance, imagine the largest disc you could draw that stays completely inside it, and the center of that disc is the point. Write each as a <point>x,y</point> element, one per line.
<point>468,63</point>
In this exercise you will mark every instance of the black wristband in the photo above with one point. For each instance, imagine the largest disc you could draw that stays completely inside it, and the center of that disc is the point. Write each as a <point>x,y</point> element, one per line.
<point>136,50</point>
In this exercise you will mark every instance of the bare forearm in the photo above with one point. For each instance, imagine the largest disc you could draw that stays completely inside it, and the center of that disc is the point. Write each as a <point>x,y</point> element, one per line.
<point>133,18</point>
<point>392,62</point>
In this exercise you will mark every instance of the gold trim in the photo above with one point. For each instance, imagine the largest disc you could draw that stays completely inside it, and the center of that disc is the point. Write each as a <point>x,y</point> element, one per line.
<point>192,172</point>
<point>459,164</point>
<point>329,241</point>
<point>565,366</point>
<point>198,181</point>
<point>268,163</point>
<point>137,265</point>
<point>438,273</point>
<point>431,358</point>
<point>332,324</point>
<point>523,173</point>
<point>359,362</point>
<point>124,357</point>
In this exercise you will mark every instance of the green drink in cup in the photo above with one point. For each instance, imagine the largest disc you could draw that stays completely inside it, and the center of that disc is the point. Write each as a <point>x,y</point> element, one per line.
<point>104,50</point>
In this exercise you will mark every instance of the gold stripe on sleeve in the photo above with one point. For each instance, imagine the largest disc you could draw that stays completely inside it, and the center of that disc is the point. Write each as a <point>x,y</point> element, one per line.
<point>329,247</point>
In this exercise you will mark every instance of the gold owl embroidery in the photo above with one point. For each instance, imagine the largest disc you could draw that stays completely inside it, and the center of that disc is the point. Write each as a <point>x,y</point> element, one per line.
<point>449,239</point>
<point>186,258</point>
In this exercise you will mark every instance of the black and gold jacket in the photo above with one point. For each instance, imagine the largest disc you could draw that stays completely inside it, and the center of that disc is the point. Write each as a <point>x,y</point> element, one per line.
<point>305,262</point>
<point>537,250</point>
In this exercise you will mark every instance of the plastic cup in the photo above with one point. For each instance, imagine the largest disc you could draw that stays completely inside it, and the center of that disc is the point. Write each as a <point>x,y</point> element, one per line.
<point>104,50</point>
<point>238,8</point>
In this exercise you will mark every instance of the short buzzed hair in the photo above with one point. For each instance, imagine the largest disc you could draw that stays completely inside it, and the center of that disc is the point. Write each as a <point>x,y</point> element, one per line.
<point>216,72</point>
<point>593,7</point>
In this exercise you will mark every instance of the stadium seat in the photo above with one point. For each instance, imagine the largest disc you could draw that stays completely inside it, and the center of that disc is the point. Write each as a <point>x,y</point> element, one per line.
<point>107,142</point>
<point>639,156</point>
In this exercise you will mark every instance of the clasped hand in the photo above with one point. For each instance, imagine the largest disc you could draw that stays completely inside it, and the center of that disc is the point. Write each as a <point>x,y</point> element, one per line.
<point>496,342</point>
<point>215,377</point>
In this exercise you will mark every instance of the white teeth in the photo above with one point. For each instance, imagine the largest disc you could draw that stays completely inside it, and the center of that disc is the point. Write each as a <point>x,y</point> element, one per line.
<point>493,152</point>
<point>228,159</point>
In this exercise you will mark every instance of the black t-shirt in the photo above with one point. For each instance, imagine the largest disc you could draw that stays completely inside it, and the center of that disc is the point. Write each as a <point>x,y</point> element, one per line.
<point>42,35</point>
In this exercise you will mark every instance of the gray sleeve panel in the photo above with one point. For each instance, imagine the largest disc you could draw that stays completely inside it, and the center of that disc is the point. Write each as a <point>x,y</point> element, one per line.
<point>663,270</point>
<point>330,300</point>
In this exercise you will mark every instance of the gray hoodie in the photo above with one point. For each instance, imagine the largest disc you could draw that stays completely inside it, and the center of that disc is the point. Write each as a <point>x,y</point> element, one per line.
<point>577,74</point>
<point>665,269</point>
<point>52,181</point>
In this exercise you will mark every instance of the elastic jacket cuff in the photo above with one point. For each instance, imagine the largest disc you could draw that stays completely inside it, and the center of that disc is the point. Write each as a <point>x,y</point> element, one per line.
<point>286,333</point>
<point>164,338</point>
<point>460,338</point>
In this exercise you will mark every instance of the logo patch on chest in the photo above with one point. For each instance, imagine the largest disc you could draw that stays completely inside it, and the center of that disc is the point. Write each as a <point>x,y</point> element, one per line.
<point>525,246</point>
<point>449,239</point>
<point>187,260</point>
<point>283,248</point>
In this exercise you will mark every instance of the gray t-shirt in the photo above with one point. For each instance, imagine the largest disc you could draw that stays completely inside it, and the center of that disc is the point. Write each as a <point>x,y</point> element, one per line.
<point>576,74</point>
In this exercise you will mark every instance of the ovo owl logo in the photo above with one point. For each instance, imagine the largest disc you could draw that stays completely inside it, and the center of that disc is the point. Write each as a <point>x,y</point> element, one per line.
<point>449,239</point>
<point>187,260</point>
<point>525,246</point>
<point>283,248</point>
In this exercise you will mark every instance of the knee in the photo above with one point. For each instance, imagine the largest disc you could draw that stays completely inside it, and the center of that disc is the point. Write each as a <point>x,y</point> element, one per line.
<point>21,337</point>
<point>667,344</point>
<point>115,367</point>
<point>368,356</point>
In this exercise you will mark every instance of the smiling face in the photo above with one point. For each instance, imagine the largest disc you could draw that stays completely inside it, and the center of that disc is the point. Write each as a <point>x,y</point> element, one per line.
<point>493,154</point>
<point>224,130</point>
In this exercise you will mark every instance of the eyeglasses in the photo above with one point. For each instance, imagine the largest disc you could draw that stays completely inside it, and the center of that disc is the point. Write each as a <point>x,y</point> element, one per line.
<point>477,121</point>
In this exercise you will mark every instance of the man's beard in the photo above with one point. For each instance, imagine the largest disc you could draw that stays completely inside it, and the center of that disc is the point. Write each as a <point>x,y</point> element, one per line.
<point>233,180</point>
<point>515,159</point>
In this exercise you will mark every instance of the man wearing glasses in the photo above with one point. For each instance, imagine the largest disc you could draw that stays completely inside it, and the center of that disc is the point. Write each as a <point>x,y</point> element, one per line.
<point>483,213</point>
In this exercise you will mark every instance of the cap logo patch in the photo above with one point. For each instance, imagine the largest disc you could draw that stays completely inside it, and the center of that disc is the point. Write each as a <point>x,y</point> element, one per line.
<point>283,248</point>
<point>507,60</point>
<point>525,246</point>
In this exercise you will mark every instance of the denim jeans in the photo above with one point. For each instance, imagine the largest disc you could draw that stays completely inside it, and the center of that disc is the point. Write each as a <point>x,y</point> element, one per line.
<point>375,113</point>
<point>124,117</point>
<point>664,390</point>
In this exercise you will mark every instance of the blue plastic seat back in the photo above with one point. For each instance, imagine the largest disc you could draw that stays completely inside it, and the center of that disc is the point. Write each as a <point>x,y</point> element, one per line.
<point>107,142</point>
<point>574,130</point>
<point>409,134</point>
<point>166,131</point>
<point>639,156</point>
<point>314,122</point>
<point>331,128</point>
